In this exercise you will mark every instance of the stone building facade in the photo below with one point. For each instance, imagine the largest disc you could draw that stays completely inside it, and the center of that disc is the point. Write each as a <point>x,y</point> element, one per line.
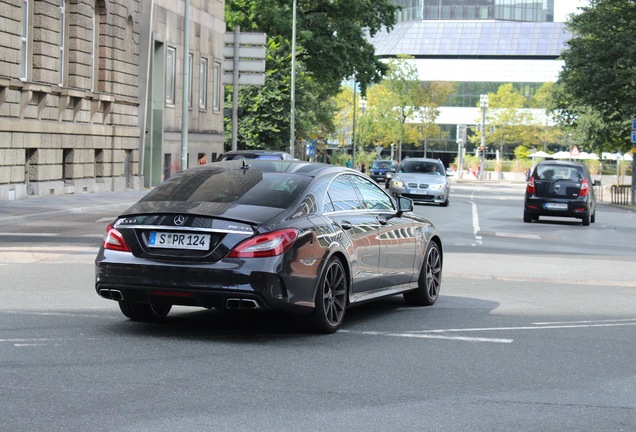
<point>164,80</point>
<point>83,87</point>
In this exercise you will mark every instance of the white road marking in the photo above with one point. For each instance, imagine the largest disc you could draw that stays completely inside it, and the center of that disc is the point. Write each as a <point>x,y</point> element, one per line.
<point>587,322</point>
<point>525,236</point>
<point>438,333</point>
<point>29,234</point>
<point>428,336</point>
<point>536,327</point>
<point>65,314</point>
<point>476,228</point>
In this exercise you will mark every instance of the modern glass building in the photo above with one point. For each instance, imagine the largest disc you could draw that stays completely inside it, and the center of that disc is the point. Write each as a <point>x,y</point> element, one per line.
<point>479,45</point>
<point>509,10</point>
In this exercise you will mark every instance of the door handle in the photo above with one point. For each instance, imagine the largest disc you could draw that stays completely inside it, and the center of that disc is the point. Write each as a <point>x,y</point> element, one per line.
<point>346,225</point>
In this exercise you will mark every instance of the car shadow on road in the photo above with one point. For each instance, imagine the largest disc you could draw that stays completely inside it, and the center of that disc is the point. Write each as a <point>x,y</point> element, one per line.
<point>255,326</point>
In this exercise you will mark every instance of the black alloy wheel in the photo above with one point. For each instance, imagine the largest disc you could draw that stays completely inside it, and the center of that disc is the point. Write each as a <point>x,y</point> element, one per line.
<point>144,312</point>
<point>331,299</point>
<point>430,280</point>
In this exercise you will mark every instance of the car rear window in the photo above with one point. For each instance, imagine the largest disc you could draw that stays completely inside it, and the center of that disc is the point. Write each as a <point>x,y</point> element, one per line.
<point>555,172</point>
<point>247,187</point>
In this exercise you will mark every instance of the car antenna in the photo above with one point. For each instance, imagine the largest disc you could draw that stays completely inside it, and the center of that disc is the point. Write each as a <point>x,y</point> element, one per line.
<point>245,166</point>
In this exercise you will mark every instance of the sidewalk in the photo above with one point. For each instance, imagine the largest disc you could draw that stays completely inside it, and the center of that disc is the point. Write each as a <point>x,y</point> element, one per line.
<point>41,207</point>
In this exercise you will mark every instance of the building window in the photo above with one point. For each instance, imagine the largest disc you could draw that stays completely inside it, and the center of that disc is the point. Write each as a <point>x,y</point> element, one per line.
<point>171,62</point>
<point>203,83</point>
<point>26,22</point>
<point>190,74</point>
<point>217,86</point>
<point>62,41</point>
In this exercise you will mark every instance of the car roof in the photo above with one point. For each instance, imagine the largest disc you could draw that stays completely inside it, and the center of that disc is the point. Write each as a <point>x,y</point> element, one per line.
<point>311,169</point>
<point>256,153</point>
<point>556,162</point>
<point>419,159</point>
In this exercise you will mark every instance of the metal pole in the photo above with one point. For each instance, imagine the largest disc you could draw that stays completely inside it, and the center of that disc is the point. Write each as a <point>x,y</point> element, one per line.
<point>633,177</point>
<point>186,85</point>
<point>483,141</point>
<point>292,126</point>
<point>483,100</point>
<point>235,87</point>
<point>353,135</point>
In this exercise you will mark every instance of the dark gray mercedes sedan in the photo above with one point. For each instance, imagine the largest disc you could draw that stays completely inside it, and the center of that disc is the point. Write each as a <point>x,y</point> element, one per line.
<point>306,238</point>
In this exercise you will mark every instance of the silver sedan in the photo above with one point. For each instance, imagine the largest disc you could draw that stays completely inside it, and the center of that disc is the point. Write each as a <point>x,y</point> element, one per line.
<point>422,180</point>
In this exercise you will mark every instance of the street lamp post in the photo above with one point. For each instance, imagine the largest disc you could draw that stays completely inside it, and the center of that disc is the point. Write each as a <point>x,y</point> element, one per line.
<point>353,134</point>
<point>483,102</point>
<point>292,126</point>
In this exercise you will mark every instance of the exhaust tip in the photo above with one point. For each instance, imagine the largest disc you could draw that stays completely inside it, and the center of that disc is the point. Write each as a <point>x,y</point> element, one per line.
<point>111,294</point>
<point>241,304</point>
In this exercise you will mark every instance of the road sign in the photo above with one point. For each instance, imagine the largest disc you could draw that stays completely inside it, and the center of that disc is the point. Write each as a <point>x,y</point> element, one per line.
<point>245,52</point>
<point>634,136</point>
<point>246,38</point>
<point>245,65</point>
<point>245,79</point>
<point>575,151</point>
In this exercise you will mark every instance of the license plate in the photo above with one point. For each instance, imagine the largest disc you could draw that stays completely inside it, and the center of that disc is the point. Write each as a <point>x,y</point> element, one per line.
<point>417,191</point>
<point>556,206</point>
<point>175,240</point>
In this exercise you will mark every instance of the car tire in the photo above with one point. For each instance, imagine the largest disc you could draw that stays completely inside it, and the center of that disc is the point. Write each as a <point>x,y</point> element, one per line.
<point>527,217</point>
<point>430,280</point>
<point>445,203</point>
<point>593,218</point>
<point>586,220</point>
<point>331,299</point>
<point>144,312</point>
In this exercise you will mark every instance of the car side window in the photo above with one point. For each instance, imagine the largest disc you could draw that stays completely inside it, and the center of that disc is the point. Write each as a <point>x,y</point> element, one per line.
<point>343,195</point>
<point>374,198</point>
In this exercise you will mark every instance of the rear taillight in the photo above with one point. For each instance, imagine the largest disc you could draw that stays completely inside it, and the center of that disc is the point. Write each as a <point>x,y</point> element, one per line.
<point>530,186</point>
<point>265,245</point>
<point>585,188</point>
<point>113,240</point>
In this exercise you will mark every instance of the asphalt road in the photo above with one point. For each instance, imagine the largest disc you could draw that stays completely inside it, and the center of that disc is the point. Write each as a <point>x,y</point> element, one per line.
<point>534,331</point>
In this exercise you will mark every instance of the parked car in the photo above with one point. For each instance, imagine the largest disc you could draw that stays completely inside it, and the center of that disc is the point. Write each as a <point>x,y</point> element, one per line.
<point>562,189</point>
<point>422,180</point>
<point>255,154</point>
<point>310,239</point>
<point>379,169</point>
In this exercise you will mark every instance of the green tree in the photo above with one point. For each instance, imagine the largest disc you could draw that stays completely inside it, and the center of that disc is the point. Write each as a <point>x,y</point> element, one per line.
<point>403,83</point>
<point>428,98</point>
<point>331,46</point>
<point>543,129</point>
<point>598,80</point>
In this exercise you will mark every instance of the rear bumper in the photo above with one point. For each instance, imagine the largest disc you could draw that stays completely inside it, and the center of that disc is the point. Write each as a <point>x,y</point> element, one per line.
<point>206,286</point>
<point>575,209</point>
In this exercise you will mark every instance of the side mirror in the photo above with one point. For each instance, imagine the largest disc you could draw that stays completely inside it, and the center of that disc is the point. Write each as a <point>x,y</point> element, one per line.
<point>404,204</point>
<point>596,183</point>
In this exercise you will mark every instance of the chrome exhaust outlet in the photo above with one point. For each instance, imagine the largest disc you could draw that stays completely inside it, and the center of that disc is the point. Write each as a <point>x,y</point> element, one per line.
<point>111,294</point>
<point>236,304</point>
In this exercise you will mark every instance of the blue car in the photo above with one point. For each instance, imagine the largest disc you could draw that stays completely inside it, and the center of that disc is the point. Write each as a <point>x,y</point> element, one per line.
<point>379,169</point>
